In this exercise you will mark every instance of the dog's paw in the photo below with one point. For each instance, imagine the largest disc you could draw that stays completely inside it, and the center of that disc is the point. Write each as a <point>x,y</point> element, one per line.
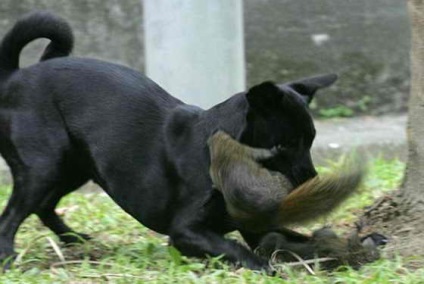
<point>7,254</point>
<point>74,238</point>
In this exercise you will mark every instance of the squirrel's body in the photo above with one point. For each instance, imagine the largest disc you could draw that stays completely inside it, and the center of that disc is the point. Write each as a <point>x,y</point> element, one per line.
<point>263,200</point>
<point>248,188</point>
<point>324,243</point>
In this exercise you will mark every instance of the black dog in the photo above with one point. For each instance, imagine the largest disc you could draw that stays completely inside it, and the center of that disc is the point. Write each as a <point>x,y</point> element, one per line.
<point>67,120</point>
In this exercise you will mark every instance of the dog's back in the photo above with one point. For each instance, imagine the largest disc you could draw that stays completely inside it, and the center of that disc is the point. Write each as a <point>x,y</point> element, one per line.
<point>67,120</point>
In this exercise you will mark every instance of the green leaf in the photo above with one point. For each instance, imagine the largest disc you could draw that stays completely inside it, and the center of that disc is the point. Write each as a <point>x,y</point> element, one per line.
<point>175,255</point>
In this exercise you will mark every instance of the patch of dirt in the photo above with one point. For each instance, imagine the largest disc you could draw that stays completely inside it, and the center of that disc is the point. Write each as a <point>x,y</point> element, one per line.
<point>403,227</point>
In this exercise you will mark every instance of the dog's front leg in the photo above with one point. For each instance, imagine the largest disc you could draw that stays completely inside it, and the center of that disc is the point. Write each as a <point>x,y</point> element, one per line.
<point>253,239</point>
<point>201,242</point>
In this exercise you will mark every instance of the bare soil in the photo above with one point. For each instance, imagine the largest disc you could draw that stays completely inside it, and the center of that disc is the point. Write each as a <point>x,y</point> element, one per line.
<point>404,228</point>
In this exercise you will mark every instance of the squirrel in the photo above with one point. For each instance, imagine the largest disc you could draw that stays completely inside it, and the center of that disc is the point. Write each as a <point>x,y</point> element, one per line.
<point>353,251</point>
<point>263,200</point>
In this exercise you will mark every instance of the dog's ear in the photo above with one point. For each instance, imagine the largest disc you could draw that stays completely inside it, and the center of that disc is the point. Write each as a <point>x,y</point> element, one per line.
<point>264,96</point>
<point>309,86</point>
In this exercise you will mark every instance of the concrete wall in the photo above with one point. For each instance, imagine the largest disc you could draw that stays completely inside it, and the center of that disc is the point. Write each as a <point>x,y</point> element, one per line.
<point>366,42</point>
<point>106,29</point>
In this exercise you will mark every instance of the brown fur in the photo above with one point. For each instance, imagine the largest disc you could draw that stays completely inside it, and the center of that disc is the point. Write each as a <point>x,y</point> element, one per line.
<point>324,243</point>
<point>261,199</point>
<point>249,189</point>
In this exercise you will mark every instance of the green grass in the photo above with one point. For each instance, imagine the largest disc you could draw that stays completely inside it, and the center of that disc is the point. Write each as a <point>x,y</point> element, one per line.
<point>123,251</point>
<point>382,177</point>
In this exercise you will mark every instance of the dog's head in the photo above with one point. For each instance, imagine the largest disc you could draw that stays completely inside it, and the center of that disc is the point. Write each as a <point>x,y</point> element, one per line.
<point>278,115</point>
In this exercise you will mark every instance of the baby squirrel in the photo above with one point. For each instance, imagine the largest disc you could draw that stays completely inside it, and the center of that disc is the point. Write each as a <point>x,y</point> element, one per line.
<point>263,200</point>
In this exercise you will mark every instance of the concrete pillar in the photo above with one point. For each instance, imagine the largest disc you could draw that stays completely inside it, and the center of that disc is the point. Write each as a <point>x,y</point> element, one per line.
<point>194,48</point>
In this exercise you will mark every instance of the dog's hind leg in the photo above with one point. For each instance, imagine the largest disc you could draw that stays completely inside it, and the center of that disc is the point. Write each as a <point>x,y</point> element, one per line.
<point>9,223</point>
<point>39,183</point>
<point>30,187</point>
<point>63,231</point>
<point>52,220</point>
<point>43,166</point>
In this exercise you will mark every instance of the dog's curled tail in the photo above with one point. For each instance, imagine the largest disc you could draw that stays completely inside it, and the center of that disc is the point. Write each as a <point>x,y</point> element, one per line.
<point>321,194</point>
<point>33,26</point>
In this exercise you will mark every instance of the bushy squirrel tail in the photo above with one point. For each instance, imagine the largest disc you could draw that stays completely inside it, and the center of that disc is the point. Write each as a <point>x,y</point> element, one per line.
<point>322,194</point>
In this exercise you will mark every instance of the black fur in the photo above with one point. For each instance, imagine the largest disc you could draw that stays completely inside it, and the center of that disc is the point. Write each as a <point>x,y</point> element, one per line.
<point>65,121</point>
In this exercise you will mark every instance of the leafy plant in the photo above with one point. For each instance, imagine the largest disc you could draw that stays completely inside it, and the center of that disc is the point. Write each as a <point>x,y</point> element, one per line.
<point>338,111</point>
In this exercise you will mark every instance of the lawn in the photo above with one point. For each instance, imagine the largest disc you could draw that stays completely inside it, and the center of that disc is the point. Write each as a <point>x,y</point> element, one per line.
<point>123,251</point>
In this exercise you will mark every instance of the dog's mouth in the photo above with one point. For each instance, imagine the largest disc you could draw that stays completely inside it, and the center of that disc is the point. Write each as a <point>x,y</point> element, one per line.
<point>282,162</point>
<point>278,163</point>
<point>280,148</point>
